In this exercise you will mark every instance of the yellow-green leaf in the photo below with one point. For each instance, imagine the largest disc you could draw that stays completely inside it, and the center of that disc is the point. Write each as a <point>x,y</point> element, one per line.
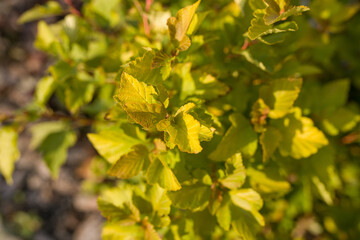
<point>239,138</point>
<point>115,204</point>
<point>9,152</point>
<point>139,100</point>
<point>49,9</point>
<point>182,130</point>
<point>307,140</point>
<point>161,203</point>
<point>258,28</point>
<point>160,173</point>
<point>257,4</point>
<point>223,214</point>
<point>300,137</point>
<point>147,68</point>
<point>114,230</point>
<point>250,201</point>
<point>179,25</point>
<point>235,172</point>
<point>41,130</point>
<point>130,164</point>
<point>269,140</point>
<point>112,143</point>
<point>44,89</point>
<point>280,95</point>
<point>45,36</point>
<point>194,197</point>
<point>281,10</point>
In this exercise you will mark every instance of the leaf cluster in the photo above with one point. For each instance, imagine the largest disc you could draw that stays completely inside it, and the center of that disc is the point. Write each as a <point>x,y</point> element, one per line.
<point>215,119</point>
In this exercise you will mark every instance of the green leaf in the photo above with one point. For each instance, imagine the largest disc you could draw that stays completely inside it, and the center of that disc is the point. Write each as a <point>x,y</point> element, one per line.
<point>77,94</point>
<point>244,224</point>
<point>270,141</point>
<point>332,96</point>
<point>44,89</point>
<point>293,67</point>
<point>333,124</point>
<point>196,22</point>
<point>241,220</point>
<point>321,187</point>
<point>130,164</point>
<point>106,12</point>
<point>49,9</point>
<point>235,172</point>
<point>248,200</point>
<point>178,26</point>
<point>183,71</point>
<point>73,29</point>
<point>193,197</point>
<point>41,130</point>
<point>182,130</point>
<point>258,28</point>
<point>62,71</point>
<point>263,184</point>
<point>139,100</point>
<point>280,95</point>
<point>300,138</point>
<point>275,13</point>
<point>8,151</point>
<point>54,149</point>
<point>251,58</point>
<point>239,138</point>
<point>160,173</point>
<point>279,37</point>
<point>112,143</point>
<point>161,204</point>
<point>321,169</point>
<point>257,4</point>
<point>223,214</point>
<point>208,87</point>
<point>52,139</point>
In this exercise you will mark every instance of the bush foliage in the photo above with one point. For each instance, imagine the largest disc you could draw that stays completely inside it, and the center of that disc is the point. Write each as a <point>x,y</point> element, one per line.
<point>213,120</point>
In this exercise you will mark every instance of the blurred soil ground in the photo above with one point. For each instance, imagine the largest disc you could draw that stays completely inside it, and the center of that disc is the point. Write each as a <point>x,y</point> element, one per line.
<point>35,206</point>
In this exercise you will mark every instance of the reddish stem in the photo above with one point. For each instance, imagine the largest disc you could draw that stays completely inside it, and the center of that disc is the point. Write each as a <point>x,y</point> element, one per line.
<point>146,25</point>
<point>144,17</point>
<point>73,10</point>
<point>148,5</point>
<point>248,43</point>
<point>350,138</point>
